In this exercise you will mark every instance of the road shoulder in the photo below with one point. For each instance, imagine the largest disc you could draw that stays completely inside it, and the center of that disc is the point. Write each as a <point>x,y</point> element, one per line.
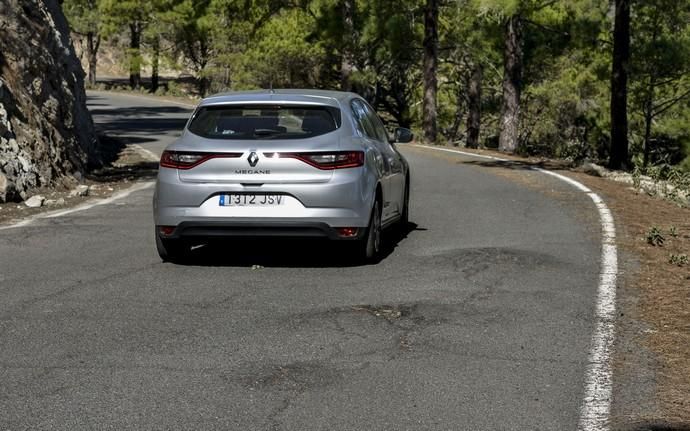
<point>651,359</point>
<point>135,168</point>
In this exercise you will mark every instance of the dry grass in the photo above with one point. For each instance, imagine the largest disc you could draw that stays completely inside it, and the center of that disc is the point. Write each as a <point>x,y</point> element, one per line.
<point>663,287</point>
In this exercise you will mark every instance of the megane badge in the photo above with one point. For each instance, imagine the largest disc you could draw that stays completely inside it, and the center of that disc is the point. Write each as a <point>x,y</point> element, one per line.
<point>253,159</point>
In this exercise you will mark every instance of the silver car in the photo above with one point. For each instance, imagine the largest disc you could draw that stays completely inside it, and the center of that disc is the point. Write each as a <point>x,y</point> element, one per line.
<point>295,163</point>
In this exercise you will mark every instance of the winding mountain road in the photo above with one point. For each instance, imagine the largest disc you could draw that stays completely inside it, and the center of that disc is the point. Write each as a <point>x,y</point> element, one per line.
<point>480,318</point>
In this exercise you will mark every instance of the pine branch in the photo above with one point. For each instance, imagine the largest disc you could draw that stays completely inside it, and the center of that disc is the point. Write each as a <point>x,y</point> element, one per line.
<point>543,27</point>
<point>545,5</point>
<point>664,106</point>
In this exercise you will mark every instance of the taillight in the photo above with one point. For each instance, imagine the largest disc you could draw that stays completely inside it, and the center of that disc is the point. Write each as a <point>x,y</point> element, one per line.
<point>331,160</point>
<point>166,230</point>
<point>348,232</point>
<point>187,160</point>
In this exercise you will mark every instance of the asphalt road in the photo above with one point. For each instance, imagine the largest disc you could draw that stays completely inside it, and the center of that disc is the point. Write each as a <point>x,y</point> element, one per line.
<point>478,319</point>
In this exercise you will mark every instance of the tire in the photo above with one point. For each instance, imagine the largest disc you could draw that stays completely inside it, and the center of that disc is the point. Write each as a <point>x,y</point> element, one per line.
<point>171,250</point>
<point>370,245</point>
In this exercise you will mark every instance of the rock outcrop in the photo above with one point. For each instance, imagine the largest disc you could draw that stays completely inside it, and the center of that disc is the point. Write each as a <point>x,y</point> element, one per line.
<point>46,133</point>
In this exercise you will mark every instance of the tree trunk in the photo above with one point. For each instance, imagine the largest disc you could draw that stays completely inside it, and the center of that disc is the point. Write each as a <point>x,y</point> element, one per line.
<point>135,55</point>
<point>459,104</point>
<point>474,106</point>
<point>93,42</point>
<point>347,60</point>
<point>403,116</point>
<point>430,69</point>
<point>155,63</point>
<point>619,86</point>
<point>648,108</point>
<point>512,83</point>
<point>648,111</point>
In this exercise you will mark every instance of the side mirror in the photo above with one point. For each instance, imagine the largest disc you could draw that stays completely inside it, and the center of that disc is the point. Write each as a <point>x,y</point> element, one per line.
<point>402,135</point>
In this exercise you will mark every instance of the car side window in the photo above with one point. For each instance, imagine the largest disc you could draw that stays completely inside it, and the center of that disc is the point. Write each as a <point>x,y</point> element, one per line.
<point>359,111</point>
<point>379,129</point>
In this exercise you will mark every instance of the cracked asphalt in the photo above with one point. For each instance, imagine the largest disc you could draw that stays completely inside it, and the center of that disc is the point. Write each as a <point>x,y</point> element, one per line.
<point>479,318</point>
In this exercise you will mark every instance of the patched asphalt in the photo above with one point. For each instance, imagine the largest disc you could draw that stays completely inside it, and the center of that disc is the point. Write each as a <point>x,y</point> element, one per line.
<point>479,317</point>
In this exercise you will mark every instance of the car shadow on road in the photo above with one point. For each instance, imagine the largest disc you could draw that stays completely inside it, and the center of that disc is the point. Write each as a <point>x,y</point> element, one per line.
<point>290,253</point>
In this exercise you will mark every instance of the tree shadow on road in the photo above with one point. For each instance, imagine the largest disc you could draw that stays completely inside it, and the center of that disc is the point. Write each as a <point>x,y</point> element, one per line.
<point>185,84</point>
<point>118,163</point>
<point>139,111</point>
<point>142,125</point>
<point>518,164</point>
<point>138,119</point>
<point>658,426</point>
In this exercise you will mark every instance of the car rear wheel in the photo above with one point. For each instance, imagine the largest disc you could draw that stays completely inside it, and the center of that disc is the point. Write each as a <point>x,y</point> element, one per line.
<point>171,250</point>
<point>370,245</point>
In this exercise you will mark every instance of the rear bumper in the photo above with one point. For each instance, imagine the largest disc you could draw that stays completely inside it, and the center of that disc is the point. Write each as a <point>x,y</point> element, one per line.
<point>311,210</point>
<point>345,201</point>
<point>298,215</point>
<point>245,229</point>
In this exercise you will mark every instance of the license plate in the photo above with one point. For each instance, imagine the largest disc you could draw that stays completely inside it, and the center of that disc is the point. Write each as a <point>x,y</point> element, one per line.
<point>244,200</point>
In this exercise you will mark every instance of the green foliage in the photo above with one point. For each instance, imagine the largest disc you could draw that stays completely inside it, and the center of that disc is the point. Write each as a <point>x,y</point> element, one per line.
<point>119,15</point>
<point>655,237</point>
<point>171,88</point>
<point>391,35</point>
<point>83,15</point>
<point>241,44</point>
<point>671,182</point>
<point>561,113</point>
<point>281,55</point>
<point>678,259</point>
<point>134,59</point>
<point>660,79</point>
<point>637,178</point>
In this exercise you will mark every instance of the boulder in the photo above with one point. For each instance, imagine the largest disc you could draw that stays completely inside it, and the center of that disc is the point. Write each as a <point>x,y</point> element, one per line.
<point>35,201</point>
<point>594,169</point>
<point>82,190</point>
<point>46,132</point>
<point>6,189</point>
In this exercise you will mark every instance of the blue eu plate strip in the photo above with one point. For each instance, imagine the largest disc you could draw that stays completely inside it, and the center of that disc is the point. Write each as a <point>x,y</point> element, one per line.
<point>222,200</point>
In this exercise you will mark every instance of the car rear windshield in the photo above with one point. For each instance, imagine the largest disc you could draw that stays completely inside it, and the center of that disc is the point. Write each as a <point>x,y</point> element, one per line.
<point>264,122</point>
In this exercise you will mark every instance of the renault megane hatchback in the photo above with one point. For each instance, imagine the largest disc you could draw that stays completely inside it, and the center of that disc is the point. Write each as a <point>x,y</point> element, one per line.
<point>296,163</point>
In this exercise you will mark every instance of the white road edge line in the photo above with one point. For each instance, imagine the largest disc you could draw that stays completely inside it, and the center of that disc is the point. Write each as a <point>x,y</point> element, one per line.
<point>83,207</point>
<point>145,153</point>
<point>148,154</point>
<point>596,405</point>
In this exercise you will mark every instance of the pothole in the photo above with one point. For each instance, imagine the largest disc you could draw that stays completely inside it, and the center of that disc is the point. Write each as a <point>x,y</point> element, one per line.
<point>368,330</point>
<point>661,426</point>
<point>388,312</point>
<point>472,261</point>
<point>296,376</point>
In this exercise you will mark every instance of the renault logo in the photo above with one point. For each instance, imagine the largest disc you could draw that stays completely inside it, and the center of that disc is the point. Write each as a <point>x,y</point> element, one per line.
<point>253,159</point>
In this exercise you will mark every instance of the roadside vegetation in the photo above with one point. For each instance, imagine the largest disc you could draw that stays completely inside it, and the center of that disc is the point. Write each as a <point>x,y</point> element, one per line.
<point>607,82</point>
<point>582,81</point>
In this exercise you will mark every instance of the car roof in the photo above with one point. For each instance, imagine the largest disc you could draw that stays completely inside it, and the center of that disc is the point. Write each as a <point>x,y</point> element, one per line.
<point>280,96</point>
